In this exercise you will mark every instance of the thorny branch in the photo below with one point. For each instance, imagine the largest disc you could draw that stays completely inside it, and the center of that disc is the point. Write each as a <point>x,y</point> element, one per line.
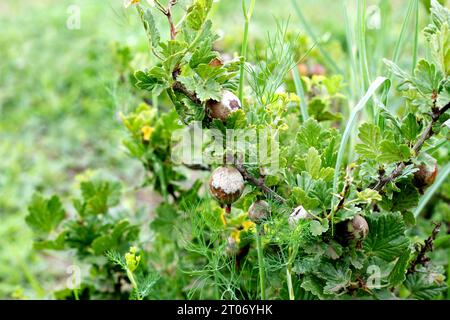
<point>259,183</point>
<point>421,258</point>
<point>168,13</point>
<point>426,134</point>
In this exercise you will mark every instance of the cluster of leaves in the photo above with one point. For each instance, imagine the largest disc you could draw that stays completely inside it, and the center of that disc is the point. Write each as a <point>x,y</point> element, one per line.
<point>98,225</point>
<point>187,61</point>
<point>200,252</point>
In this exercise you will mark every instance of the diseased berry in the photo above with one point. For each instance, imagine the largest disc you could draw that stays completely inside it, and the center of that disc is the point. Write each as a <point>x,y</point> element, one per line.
<point>356,229</point>
<point>222,109</point>
<point>226,184</point>
<point>232,247</point>
<point>359,226</point>
<point>425,176</point>
<point>298,214</point>
<point>259,211</point>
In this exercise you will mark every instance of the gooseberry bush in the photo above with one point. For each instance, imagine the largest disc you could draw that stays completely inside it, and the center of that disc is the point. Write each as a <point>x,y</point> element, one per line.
<point>330,216</point>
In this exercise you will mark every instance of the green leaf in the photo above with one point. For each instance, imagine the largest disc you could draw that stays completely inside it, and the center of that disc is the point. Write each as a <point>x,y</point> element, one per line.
<point>398,273</point>
<point>386,238</point>
<point>205,89</point>
<point>410,128</point>
<point>393,152</point>
<point>202,55</point>
<point>197,13</point>
<point>405,198</point>
<point>102,244</point>
<point>314,285</point>
<point>301,198</point>
<point>427,78</point>
<point>370,137</point>
<point>336,275</point>
<point>421,286</point>
<point>369,195</point>
<point>44,214</point>
<point>313,163</point>
<point>444,96</point>
<point>318,228</point>
<point>154,80</point>
<point>164,222</point>
<point>55,244</point>
<point>311,135</point>
<point>150,26</point>
<point>98,197</point>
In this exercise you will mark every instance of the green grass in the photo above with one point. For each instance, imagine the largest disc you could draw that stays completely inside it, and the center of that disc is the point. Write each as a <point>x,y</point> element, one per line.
<point>60,96</point>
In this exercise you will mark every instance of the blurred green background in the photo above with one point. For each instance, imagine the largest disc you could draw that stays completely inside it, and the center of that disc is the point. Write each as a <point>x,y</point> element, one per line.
<point>61,92</point>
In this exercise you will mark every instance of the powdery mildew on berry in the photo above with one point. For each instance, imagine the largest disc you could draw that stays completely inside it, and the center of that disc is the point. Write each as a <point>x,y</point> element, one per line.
<point>227,179</point>
<point>230,101</point>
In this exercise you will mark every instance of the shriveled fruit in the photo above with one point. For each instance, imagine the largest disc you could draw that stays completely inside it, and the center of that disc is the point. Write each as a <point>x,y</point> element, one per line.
<point>298,214</point>
<point>425,176</point>
<point>222,109</point>
<point>226,184</point>
<point>259,211</point>
<point>356,229</point>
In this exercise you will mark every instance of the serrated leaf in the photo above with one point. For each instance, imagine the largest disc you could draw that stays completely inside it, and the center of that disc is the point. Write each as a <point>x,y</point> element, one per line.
<point>154,80</point>
<point>393,152</point>
<point>150,26</point>
<point>369,195</point>
<point>410,128</point>
<point>313,163</point>
<point>336,275</point>
<point>427,78</point>
<point>44,214</point>
<point>54,244</point>
<point>301,198</point>
<point>398,273</point>
<point>370,137</point>
<point>318,228</point>
<point>422,287</point>
<point>386,238</point>
<point>406,197</point>
<point>98,197</point>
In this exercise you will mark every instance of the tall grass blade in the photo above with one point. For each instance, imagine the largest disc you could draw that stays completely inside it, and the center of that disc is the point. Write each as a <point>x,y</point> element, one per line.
<point>331,63</point>
<point>348,129</point>
<point>300,93</point>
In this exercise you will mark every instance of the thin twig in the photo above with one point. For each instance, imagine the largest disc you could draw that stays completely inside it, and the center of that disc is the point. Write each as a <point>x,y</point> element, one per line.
<point>258,183</point>
<point>421,258</point>
<point>426,134</point>
<point>168,13</point>
<point>179,87</point>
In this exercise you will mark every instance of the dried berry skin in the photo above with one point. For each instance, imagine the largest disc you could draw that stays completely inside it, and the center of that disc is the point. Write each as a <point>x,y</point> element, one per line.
<point>353,230</point>
<point>222,109</point>
<point>425,176</point>
<point>359,227</point>
<point>259,211</point>
<point>298,214</point>
<point>226,184</point>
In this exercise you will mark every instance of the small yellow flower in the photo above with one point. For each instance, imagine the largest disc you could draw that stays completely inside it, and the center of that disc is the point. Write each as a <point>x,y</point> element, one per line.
<point>236,235</point>
<point>147,132</point>
<point>131,259</point>
<point>248,225</point>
